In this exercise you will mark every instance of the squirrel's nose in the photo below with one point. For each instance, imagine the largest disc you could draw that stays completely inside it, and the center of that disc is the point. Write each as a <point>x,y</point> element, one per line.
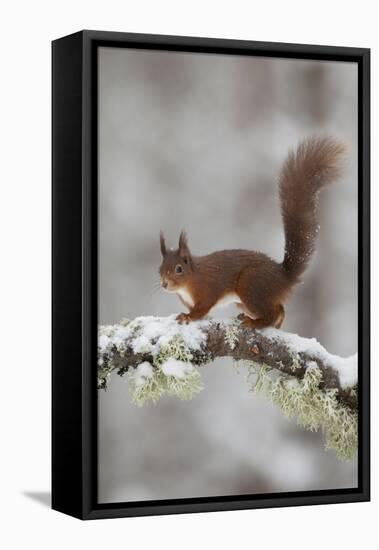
<point>164,284</point>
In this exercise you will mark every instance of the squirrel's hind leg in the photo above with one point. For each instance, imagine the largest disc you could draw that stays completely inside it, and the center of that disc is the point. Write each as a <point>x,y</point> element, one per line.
<point>271,318</point>
<point>261,292</point>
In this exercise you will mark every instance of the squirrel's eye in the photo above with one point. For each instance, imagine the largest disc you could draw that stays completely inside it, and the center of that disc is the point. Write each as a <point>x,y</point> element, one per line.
<point>178,269</point>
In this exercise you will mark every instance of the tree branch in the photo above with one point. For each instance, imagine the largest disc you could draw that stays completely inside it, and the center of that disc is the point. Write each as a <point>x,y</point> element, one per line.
<point>148,339</point>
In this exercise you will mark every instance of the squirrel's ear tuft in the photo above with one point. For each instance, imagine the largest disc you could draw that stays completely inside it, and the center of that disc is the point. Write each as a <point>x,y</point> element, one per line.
<point>183,245</point>
<point>163,243</point>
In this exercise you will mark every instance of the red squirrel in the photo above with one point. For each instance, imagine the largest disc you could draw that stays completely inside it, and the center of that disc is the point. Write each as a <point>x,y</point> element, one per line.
<point>258,285</point>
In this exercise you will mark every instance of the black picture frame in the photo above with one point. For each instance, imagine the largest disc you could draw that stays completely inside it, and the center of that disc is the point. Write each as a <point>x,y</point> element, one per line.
<point>74,271</point>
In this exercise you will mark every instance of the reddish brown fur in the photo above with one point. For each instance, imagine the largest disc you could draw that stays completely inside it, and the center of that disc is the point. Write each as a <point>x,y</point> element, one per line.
<point>315,164</point>
<point>261,284</point>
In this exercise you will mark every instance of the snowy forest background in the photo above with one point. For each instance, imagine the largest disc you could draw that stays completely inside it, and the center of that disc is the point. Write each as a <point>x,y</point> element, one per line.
<point>196,141</point>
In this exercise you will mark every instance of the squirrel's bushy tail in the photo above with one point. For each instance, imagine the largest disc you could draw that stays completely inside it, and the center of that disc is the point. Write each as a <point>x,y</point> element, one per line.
<point>315,163</point>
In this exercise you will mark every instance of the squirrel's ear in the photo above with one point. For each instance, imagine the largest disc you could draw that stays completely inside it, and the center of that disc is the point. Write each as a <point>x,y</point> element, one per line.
<point>183,244</point>
<point>163,243</point>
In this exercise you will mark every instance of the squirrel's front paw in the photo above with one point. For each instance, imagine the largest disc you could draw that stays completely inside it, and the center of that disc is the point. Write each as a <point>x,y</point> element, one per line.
<point>246,321</point>
<point>183,318</point>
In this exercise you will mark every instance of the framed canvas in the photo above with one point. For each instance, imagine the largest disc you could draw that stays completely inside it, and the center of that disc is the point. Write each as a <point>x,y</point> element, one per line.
<point>189,174</point>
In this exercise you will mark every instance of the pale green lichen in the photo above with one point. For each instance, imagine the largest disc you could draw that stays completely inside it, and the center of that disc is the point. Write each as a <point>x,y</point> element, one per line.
<point>295,360</point>
<point>312,407</point>
<point>151,390</point>
<point>185,388</point>
<point>159,384</point>
<point>175,348</point>
<point>231,333</point>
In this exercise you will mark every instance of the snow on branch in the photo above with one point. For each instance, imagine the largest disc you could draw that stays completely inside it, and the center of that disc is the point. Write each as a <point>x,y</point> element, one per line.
<point>160,356</point>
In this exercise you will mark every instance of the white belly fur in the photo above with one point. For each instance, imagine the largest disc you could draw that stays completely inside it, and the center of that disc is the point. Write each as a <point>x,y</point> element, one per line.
<point>185,296</point>
<point>226,300</point>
